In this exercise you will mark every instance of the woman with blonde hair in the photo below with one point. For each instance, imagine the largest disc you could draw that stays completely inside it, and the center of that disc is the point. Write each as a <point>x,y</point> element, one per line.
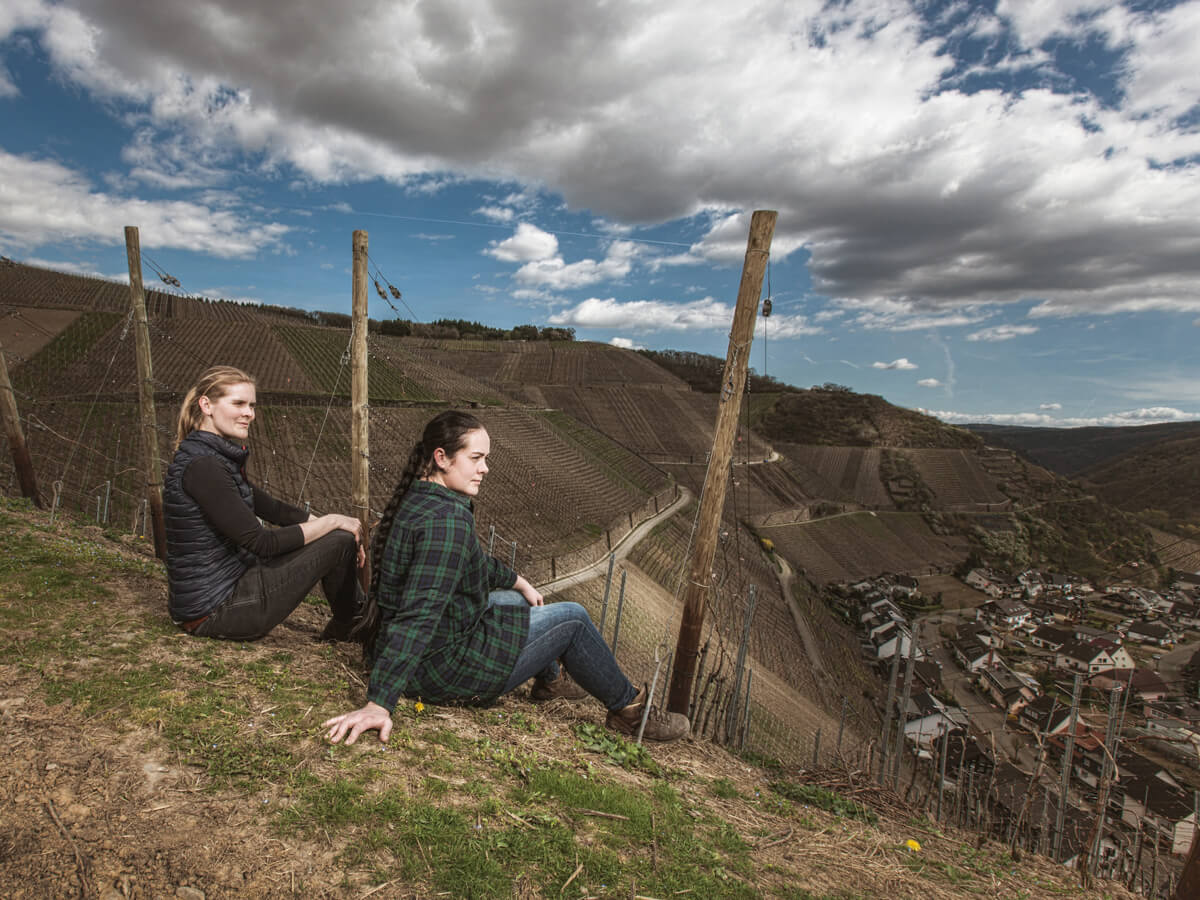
<point>229,576</point>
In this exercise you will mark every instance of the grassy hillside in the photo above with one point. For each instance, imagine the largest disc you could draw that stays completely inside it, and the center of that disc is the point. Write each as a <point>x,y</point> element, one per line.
<point>143,762</point>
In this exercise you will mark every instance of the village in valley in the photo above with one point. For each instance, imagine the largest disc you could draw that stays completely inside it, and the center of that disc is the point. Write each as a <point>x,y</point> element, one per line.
<point>1009,683</point>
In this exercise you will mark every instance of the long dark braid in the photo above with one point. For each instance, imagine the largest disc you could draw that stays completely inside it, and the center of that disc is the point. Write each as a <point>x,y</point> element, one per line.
<point>448,431</point>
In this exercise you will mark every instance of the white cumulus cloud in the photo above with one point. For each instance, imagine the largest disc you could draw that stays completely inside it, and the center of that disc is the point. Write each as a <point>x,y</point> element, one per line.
<point>900,364</point>
<point>660,315</point>
<point>1002,332</point>
<point>1144,416</point>
<point>929,383</point>
<point>527,244</point>
<point>45,201</point>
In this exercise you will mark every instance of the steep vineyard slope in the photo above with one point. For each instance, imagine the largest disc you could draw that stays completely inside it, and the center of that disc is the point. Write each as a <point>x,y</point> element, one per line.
<point>957,479</point>
<point>851,546</point>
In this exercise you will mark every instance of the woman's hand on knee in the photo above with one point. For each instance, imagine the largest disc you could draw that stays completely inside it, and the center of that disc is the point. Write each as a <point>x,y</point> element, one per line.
<point>371,717</point>
<point>346,523</point>
<point>531,594</point>
<point>319,526</point>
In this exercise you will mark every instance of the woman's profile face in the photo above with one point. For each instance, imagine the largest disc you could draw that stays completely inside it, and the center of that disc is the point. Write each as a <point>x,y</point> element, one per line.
<point>230,414</point>
<point>463,472</point>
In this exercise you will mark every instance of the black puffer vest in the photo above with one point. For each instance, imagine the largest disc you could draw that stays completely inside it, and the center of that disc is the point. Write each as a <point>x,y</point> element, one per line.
<point>203,566</point>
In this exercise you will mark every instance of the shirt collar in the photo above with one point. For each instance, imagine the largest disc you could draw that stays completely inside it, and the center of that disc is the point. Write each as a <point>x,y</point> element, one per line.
<point>438,490</point>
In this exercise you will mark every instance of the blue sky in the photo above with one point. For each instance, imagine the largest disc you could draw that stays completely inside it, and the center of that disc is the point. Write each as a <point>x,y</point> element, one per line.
<point>989,211</point>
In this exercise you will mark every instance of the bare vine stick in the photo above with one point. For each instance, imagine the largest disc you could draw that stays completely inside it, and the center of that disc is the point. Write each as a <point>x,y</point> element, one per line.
<point>83,868</point>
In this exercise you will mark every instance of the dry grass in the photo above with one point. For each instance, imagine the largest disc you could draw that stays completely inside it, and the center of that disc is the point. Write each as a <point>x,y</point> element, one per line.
<point>139,760</point>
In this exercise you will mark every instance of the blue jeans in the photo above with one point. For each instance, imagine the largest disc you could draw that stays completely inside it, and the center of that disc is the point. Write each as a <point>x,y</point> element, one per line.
<point>565,631</point>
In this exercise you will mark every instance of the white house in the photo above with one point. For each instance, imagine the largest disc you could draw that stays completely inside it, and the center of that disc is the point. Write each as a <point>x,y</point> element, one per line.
<point>1166,813</point>
<point>1085,658</point>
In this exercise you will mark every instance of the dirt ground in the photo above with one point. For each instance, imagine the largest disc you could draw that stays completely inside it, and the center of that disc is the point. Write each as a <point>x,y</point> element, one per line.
<point>96,806</point>
<point>87,810</point>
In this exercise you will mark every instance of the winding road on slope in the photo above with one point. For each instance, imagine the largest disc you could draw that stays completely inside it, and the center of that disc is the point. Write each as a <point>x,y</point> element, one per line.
<point>786,577</point>
<point>621,550</point>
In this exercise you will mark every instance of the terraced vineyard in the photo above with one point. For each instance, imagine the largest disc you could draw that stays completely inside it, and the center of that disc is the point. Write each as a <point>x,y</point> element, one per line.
<point>31,328</point>
<point>320,352</point>
<point>956,478</point>
<point>27,286</point>
<point>739,563</point>
<point>183,349</point>
<point>440,381</point>
<point>83,447</point>
<point>849,474</point>
<point>550,495</point>
<point>512,365</point>
<point>1176,552</point>
<point>784,725</point>
<point>857,545</point>
<point>68,366</point>
<point>621,464</point>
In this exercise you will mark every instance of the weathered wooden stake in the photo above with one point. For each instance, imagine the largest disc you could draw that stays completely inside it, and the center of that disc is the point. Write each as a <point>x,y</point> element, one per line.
<point>732,725</point>
<point>360,456</point>
<point>942,771</point>
<point>884,734</point>
<point>712,500</point>
<point>612,558</point>
<point>141,333</point>
<point>841,725</point>
<point>1065,786</point>
<point>620,610</point>
<point>16,437</point>
<point>902,710</point>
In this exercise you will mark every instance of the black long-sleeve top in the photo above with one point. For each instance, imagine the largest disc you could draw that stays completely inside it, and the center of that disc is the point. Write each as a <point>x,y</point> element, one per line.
<point>210,484</point>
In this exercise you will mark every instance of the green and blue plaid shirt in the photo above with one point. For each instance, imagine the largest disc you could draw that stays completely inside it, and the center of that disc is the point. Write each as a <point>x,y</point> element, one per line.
<point>438,638</point>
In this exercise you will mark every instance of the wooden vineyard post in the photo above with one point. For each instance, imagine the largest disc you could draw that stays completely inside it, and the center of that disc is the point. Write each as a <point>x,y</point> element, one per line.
<point>360,459</point>
<point>1189,879</point>
<point>141,330</point>
<point>16,437</point>
<point>712,500</point>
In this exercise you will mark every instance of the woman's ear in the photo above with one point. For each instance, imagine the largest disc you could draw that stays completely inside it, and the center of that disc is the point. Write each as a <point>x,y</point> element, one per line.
<point>440,459</point>
<point>205,405</point>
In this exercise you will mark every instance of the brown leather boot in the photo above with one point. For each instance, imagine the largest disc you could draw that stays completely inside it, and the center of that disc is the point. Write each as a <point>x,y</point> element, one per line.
<point>561,688</point>
<point>660,725</point>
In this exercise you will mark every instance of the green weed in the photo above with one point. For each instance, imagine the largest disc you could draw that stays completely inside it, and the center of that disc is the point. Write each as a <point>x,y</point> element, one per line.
<point>616,749</point>
<point>824,799</point>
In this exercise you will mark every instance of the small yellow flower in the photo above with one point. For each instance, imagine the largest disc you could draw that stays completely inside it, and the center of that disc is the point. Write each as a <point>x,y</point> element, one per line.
<point>419,706</point>
<point>912,845</point>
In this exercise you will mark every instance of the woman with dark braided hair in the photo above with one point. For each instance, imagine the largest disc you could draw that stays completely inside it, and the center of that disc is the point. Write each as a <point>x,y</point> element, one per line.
<point>446,623</point>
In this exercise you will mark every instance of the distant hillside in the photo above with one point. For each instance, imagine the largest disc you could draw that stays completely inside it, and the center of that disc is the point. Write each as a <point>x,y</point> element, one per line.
<point>703,372</point>
<point>587,437</point>
<point>1069,451</point>
<point>836,416</point>
<point>1159,480</point>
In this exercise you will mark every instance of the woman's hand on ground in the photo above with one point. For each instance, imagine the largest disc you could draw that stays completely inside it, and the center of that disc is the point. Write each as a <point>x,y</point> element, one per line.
<point>531,594</point>
<point>371,717</point>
